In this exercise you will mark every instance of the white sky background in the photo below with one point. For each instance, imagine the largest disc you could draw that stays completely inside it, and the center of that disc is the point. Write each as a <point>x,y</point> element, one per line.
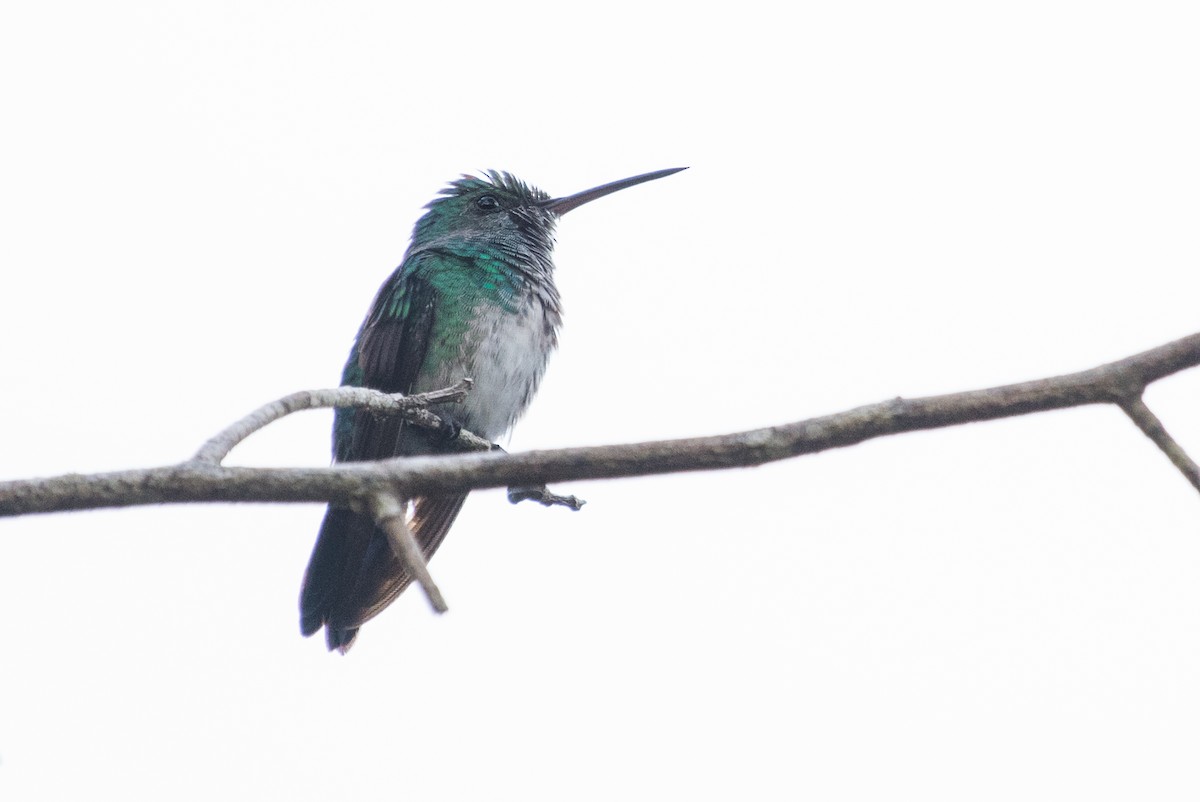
<point>199,202</point>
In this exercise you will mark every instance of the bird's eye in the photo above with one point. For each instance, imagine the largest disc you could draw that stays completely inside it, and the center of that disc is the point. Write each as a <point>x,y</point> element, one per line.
<point>487,203</point>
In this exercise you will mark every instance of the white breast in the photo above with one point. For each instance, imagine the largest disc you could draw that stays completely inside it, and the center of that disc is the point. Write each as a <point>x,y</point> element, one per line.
<point>505,355</point>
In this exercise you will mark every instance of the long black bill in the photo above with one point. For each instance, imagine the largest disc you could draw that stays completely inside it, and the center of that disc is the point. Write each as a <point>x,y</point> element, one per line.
<point>561,206</point>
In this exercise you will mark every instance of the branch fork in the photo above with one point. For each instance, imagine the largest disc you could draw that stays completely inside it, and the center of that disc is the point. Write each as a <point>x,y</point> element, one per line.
<point>386,506</point>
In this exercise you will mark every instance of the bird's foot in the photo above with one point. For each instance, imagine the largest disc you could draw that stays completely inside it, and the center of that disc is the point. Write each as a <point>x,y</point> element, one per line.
<point>544,496</point>
<point>539,493</point>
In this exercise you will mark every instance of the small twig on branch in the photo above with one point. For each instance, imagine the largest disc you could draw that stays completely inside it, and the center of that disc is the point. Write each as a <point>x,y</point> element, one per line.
<point>1119,383</point>
<point>388,512</point>
<point>1152,427</point>
<point>413,408</point>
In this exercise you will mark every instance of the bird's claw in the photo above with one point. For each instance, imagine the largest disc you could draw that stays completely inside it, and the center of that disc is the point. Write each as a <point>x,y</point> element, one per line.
<point>544,496</point>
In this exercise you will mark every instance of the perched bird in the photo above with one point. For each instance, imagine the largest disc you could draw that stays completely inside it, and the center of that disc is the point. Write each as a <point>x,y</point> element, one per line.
<point>473,297</point>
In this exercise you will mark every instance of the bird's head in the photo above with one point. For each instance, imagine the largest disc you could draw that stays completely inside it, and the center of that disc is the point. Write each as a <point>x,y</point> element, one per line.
<point>500,210</point>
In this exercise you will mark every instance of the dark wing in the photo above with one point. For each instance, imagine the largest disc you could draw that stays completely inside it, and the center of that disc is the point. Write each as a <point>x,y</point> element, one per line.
<point>353,574</point>
<point>388,356</point>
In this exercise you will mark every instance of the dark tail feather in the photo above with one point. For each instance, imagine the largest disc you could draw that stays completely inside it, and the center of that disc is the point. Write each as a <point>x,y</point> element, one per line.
<point>353,573</point>
<point>343,540</point>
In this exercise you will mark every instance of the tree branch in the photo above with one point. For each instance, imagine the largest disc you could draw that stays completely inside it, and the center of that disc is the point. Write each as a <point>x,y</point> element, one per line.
<point>1118,383</point>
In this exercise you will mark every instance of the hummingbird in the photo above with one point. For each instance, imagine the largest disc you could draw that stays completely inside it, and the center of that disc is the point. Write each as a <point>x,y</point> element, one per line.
<point>474,297</point>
